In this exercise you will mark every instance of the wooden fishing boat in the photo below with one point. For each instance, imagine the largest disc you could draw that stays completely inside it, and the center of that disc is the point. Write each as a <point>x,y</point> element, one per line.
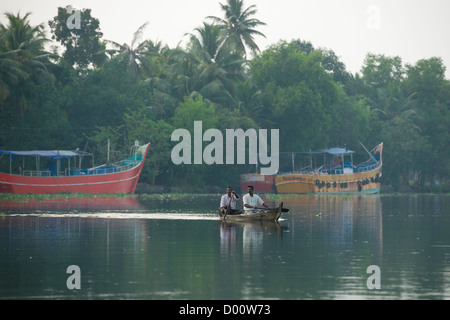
<point>63,175</point>
<point>272,214</point>
<point>328,171</point>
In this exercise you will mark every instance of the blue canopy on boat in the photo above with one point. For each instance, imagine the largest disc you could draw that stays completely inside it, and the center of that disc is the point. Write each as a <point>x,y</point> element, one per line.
<point>55,154</point>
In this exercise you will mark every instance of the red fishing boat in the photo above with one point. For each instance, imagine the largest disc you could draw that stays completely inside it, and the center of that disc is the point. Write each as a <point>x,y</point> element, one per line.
<point>63,173</point>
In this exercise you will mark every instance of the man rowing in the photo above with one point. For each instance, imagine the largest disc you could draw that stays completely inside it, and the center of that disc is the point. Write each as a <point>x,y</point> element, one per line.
<point>252,201</point>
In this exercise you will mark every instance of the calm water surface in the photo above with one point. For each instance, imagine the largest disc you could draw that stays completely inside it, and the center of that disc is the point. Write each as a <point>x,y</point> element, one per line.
<point>132,248</point>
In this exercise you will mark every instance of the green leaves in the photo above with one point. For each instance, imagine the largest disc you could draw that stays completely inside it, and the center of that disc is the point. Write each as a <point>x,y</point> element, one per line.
<point>144,90</point>
<point>410,110</point>
<point>141,127</point>
<point>83,46</point>
<point>238,27</point>
<point>195,109</point>
<point>299,92</point>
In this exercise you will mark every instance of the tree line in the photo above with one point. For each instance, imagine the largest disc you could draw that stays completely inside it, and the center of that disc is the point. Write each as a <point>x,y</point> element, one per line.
<point>96,89</point>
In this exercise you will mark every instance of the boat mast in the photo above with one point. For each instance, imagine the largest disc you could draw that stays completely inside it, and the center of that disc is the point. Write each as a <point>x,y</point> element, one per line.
<point>82,155</point>
<point>370,155</point>
<point>293,166</point>
<point>136,145</point>
<point>310,160</point>
<point>108,152</point>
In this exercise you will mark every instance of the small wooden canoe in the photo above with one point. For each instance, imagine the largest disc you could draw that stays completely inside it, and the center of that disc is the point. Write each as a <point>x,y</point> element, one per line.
<point>266,215</point>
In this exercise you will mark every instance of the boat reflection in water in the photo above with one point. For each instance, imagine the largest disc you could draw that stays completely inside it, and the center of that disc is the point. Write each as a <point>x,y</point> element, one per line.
<point>248,235</point>
<point>72,202</point>
<point>342,219</point>
<point>323,246</point>
<point>347,221</point>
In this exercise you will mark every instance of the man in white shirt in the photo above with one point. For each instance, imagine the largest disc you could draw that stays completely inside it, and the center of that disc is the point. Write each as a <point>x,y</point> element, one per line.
<point>252,201</point>
<point>229,198</point>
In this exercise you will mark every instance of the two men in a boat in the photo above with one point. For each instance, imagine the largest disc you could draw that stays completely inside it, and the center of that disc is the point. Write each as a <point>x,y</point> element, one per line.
<point>251,202</point>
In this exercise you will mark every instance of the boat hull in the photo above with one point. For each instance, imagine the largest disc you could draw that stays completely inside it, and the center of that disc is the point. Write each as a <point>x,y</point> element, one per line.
<point>119,182</point>
<point>359,182</point>
<point>263,215</point>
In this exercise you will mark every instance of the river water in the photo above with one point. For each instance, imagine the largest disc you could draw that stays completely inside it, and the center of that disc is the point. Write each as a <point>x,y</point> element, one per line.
<point>325,247</point>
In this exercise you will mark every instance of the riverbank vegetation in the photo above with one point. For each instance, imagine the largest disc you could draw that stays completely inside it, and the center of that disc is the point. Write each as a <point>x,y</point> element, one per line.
<point>91,89</point>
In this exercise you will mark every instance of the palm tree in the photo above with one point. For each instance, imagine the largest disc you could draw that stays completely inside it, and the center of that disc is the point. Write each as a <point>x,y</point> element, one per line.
<point>249,103</point>
<point>136,54</point>
<point>208,66</point>
<point>23,43</point>
<point>218,66</point>
<point>397,108</point>
<point>404,140</point>
<point>20,35</point>
<point>11,72</point>
<point>177,76</point>
<point>22,57</point>
<point>238,25</point>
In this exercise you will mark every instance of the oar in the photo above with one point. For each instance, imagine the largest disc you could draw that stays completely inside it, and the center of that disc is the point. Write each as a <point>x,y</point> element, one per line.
<point>282,210</point>
<point>227,211</point>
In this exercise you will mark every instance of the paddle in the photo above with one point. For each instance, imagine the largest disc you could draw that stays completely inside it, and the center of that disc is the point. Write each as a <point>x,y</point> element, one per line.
<point>264,208</point>
<point>227,211</point>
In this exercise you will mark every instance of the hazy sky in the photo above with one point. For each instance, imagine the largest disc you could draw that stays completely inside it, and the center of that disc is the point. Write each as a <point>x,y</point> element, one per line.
<point>411,29</point>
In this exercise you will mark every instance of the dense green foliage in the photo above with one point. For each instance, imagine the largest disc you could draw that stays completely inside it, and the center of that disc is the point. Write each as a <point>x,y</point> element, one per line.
<point>98,90</point>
